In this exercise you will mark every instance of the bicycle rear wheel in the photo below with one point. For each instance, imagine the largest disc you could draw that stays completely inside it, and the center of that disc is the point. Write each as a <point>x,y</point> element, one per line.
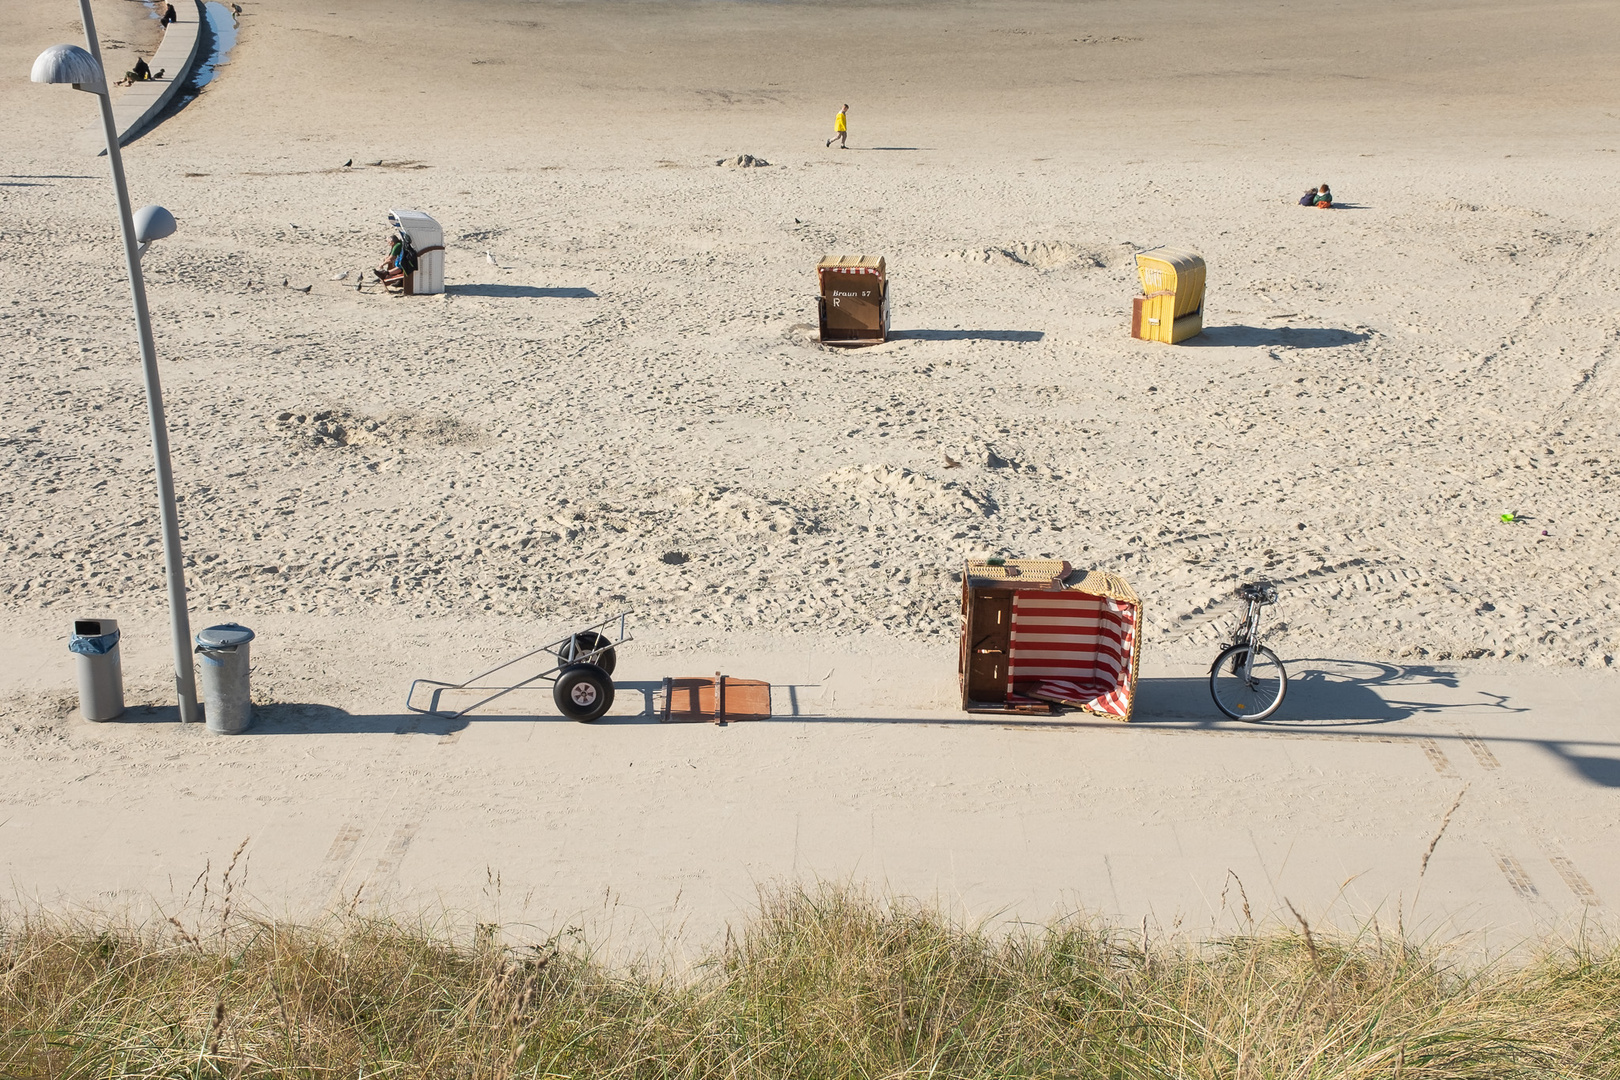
<point>1246,690</point>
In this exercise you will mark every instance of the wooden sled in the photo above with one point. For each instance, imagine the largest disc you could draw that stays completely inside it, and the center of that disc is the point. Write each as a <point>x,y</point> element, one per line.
<point>719,700</point>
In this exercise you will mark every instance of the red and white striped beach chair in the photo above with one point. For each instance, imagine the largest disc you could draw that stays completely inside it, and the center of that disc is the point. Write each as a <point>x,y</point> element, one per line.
<point>1031,643</point>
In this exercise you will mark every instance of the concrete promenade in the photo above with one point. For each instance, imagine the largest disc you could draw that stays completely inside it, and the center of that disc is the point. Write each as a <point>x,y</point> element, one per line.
<point>628,826</point>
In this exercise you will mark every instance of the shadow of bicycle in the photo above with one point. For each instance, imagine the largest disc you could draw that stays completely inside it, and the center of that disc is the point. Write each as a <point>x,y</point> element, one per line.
<point>1323,692</point>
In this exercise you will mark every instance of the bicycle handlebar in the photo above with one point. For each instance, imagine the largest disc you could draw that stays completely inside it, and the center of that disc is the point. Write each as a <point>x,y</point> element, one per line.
<point>1259,591</point>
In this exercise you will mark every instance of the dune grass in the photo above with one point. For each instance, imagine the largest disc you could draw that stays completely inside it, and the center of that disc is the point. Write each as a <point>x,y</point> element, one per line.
<point>825,982</point>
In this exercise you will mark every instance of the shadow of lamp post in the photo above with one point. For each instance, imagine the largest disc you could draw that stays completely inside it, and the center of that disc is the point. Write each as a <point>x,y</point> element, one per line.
<point>83,71</point>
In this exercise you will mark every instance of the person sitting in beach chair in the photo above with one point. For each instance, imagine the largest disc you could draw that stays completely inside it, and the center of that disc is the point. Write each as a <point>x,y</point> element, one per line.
<point>400,264</point>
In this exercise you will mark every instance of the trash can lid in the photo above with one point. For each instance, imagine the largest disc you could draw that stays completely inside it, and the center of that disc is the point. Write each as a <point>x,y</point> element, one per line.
<point>224,636</point>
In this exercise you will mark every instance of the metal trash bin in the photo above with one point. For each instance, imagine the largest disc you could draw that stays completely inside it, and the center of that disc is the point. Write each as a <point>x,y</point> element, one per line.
<point>227,702</point>
<point>101,671</point>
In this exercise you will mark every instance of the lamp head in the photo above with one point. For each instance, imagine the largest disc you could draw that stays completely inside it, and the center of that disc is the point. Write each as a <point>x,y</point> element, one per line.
<point>70,64</point>
<point>153,223</point>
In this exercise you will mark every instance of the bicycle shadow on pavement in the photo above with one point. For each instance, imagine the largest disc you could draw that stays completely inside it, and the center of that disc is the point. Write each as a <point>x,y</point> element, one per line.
<point>1322,692</point>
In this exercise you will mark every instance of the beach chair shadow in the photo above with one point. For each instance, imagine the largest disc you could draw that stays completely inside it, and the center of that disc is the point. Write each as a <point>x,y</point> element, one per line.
<point>1293,337</point>
<point>511,292</point>
<point>966,335</point>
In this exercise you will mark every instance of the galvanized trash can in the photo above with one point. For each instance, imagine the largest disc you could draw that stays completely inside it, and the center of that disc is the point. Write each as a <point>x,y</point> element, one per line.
<point>101,672</point>
<point>228,704</point>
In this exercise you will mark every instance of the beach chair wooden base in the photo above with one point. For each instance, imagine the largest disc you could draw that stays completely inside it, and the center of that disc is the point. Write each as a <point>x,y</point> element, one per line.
<point>719,700</point>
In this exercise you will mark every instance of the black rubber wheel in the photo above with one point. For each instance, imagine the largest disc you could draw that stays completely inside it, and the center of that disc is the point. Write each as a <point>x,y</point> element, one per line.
<point>1247,691</point>
<point>583,692</point>
<point>584,642</point>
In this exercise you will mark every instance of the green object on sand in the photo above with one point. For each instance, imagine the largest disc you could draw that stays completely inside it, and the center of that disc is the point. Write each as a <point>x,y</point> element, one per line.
<point>1509,517</point>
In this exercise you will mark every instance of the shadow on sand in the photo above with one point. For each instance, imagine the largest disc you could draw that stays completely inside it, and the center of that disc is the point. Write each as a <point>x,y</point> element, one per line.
<point>519,291</point>
<point>1327,698</point>
<point>966,335</point>
<point>1293,337</point>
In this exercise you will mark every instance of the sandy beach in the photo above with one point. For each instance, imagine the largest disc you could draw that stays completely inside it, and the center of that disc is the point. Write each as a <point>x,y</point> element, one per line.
<point>619,403</point>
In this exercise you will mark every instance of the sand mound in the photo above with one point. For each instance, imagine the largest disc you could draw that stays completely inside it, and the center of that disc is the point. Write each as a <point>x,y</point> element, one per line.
<point>337,427</point>
<point>720,511</point>
<point>742,161</point>
<point>887,491</point>
<point>1460,207</point>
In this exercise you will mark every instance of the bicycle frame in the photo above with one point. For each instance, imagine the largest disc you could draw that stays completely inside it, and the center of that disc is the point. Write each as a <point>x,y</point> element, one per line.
<point>1247,633</point>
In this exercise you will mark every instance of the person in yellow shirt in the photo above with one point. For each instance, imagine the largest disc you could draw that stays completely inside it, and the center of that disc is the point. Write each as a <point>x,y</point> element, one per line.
<point>840,128</point>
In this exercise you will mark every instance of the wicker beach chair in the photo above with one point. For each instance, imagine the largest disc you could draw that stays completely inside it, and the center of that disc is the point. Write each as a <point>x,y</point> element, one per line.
<point>1031,643</point>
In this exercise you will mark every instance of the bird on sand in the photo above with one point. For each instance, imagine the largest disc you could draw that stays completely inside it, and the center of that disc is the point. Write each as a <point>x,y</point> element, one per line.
<point>952,463</point>
<point>491,259</point>
<point>340,277</point>
<point>283,283</point>
<point>306,288</point>
<point>346,164</point>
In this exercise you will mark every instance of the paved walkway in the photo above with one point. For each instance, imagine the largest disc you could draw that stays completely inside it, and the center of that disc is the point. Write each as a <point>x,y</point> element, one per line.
<point>137,106</point>
<point>1188,821</point>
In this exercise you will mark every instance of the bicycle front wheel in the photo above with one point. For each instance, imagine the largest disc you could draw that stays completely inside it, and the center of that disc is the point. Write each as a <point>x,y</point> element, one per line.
<point>1246,688</point>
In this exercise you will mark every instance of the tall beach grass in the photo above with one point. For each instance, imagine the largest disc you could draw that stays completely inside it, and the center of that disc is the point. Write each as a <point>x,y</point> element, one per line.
<point>825,982</point>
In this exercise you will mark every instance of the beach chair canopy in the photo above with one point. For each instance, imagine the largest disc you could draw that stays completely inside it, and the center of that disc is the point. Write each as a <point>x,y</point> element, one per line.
<point>423,230</point>
<point>1172,270</point>
<point>851,264</point>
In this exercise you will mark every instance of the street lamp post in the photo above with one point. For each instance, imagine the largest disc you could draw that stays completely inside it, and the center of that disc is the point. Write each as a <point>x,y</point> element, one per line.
<point>83,70</point>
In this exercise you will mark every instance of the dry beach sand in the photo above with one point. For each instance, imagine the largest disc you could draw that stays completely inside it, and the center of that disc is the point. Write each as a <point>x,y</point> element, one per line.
<point>619,402</point>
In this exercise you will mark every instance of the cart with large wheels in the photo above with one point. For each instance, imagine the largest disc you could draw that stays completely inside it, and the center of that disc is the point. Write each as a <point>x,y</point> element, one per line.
<point>581,678</point>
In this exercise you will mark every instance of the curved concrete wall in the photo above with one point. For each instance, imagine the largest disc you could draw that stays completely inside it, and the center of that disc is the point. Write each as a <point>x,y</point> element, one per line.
<point>138,106</point>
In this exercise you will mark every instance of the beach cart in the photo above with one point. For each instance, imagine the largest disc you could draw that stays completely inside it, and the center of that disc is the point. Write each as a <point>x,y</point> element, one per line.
<point>853,299</point>
<point>1032,643</point>
<point>427,238</point>
<point>1171,308</point>
<point>581,677</point>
